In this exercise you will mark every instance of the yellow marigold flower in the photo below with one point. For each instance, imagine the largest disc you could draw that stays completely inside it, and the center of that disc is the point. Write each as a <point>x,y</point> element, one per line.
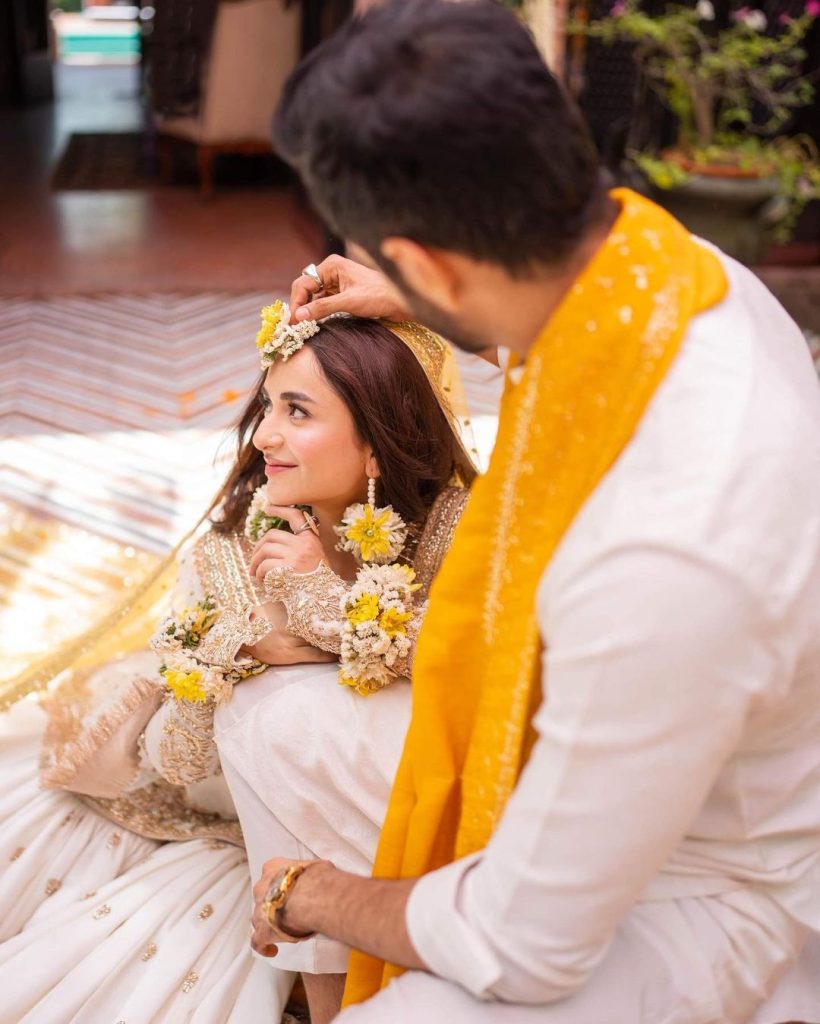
<point>392,621</point>
<point>186,685</point>
<point>364,687</point>
<point>370,533</point>
<point>365,609</point>
<point>271,317</point>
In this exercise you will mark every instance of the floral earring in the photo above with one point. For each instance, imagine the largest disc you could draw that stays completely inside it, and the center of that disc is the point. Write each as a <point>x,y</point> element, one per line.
<point>369,533</point>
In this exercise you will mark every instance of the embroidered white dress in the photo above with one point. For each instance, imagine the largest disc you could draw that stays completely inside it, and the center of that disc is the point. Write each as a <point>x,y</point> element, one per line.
<point>131,903</point>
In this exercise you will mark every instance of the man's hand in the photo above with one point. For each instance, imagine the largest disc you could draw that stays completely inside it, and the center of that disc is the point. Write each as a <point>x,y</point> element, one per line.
<point>365,913</point>
<point>279,647</point>
<point>266,935</point>
<point>348,288</point>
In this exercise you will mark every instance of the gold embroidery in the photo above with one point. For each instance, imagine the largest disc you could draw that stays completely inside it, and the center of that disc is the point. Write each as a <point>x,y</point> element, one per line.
<point>17,854</point>
<point>187,749</point>
<point>206,912</point>
<point>312,601</point>
<point>101,912</point>
<point>52,885</point>
<point>230,632</point>
<point>438,534</point>
<point>221,562</point>
<point>88,895</point>
<point>114,840</point>
<point>69,817</point>
<point>191,978</point>
<point>67,744</point>
<point>159,812</point>
<point>150,950</point>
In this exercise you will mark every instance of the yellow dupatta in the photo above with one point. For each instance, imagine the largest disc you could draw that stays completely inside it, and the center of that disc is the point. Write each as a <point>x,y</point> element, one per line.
<point>587,381</point>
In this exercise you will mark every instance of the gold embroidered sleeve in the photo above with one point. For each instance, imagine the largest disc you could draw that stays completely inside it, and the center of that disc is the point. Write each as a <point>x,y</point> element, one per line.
<point>312,601</point>
<point>180,741</point>
<point>222,643</point>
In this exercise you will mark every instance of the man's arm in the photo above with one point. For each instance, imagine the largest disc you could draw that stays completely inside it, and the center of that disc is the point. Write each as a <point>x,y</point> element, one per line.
<point>365,913</point>
<point>654,661</point>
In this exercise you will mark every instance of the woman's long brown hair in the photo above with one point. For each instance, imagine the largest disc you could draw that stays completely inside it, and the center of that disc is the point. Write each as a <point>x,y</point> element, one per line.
<point>395,412</point>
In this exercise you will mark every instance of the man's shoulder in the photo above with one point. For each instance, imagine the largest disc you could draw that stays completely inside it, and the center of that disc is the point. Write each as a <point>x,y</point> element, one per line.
<point>725,464</point>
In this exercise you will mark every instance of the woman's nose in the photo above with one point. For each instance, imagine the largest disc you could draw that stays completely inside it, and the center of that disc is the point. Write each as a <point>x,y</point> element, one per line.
<point>266,437</point>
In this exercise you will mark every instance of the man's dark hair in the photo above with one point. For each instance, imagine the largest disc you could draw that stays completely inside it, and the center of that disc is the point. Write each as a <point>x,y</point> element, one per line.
<point>439,122</point>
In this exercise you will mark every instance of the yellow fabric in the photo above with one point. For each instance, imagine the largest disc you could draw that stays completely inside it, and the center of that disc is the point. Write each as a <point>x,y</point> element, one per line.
<point>586,383</point>
<point>127,628</point>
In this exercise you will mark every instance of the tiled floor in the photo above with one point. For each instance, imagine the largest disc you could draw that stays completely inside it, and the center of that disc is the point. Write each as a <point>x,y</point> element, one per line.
<point>160,239</point>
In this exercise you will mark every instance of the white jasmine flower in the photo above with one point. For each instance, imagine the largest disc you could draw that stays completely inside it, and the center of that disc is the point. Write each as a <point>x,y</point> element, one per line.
<point>705,11</point>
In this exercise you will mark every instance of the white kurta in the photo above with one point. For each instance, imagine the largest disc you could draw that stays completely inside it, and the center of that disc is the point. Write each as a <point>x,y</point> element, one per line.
<point>659,862</point>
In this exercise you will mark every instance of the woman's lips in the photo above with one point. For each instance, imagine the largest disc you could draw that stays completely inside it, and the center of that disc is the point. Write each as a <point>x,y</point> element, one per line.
<point>272,468</point>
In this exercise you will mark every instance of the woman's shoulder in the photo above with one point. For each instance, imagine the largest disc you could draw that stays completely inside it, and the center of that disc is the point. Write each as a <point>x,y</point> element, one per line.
<point>437,533</point>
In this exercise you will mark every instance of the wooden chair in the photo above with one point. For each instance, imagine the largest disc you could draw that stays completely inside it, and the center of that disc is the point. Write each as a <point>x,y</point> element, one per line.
<point>255,45</point>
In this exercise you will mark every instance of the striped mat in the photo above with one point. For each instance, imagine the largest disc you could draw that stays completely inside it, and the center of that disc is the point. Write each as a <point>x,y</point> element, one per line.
<point>114,410</point>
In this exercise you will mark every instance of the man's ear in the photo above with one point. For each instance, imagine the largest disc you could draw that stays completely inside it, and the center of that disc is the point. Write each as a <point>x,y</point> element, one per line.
<point>433,274</point>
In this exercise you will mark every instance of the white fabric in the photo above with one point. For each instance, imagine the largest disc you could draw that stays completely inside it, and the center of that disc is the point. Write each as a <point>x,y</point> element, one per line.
<point>678,759</point>
<point>310,765</point>
<point>61,964</point>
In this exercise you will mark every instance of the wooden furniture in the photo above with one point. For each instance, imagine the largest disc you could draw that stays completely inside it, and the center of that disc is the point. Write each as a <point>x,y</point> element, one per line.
<point>255,45</point>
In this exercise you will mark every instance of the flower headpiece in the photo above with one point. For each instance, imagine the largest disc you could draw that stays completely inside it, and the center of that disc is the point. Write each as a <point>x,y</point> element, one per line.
<point>277,337</point>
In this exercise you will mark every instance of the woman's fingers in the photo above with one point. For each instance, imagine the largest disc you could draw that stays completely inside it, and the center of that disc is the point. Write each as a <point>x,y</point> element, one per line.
<point>294,517</point>
<point>277,550</point>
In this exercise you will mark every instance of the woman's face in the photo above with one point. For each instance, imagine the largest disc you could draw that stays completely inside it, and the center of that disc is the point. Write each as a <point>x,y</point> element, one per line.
<point>313,455</point>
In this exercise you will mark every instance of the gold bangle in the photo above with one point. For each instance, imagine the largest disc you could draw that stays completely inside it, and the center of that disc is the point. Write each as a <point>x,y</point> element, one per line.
<point>277,896</point>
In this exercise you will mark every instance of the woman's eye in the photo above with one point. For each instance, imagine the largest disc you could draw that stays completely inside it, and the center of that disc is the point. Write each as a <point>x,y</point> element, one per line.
<point>296,412</point>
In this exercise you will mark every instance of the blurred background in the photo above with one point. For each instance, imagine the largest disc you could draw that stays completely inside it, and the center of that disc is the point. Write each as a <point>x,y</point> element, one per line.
<point>144,219</point>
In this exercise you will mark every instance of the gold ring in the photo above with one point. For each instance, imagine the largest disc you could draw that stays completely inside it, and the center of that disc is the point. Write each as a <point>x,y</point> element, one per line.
<point>312,272</point>
<point>311,523</point>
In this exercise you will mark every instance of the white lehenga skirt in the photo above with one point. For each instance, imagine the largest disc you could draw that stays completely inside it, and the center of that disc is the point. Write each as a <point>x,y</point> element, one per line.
<point>99,925</point>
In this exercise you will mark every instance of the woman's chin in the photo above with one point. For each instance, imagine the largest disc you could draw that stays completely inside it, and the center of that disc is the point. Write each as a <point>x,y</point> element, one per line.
<point>279,495</point>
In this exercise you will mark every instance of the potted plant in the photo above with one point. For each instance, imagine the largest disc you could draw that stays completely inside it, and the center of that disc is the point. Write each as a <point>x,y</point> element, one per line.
<point>732,175</point>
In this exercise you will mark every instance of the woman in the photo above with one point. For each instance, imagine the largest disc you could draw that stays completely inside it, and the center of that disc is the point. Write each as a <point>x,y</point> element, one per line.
<point>104,917</point>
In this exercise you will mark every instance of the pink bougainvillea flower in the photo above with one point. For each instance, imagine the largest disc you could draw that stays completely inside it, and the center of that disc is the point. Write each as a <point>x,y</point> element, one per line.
<point>813,8</point>
<point>784,19</point>
<point>619,8</point>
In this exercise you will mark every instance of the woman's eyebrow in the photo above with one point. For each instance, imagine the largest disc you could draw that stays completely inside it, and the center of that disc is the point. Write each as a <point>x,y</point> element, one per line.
<point>295,396</point>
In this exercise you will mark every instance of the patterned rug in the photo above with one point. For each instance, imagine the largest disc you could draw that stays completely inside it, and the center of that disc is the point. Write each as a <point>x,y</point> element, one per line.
<point>113,412</point>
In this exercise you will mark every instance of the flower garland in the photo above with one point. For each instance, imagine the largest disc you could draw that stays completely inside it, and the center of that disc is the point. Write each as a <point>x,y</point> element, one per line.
<point>277,337</point>
<point>257,521</point>
<point>371,534</point>
<point>375,616</point>
<point>187,678</point>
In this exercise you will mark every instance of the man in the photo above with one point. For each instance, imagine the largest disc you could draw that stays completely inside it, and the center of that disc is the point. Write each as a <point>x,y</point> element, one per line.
<point>608,807</point>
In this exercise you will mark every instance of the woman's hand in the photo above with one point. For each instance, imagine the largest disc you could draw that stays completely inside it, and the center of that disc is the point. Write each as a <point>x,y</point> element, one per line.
<point>302,552</point>
<point>279,647</point>
<point>348,288</point>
